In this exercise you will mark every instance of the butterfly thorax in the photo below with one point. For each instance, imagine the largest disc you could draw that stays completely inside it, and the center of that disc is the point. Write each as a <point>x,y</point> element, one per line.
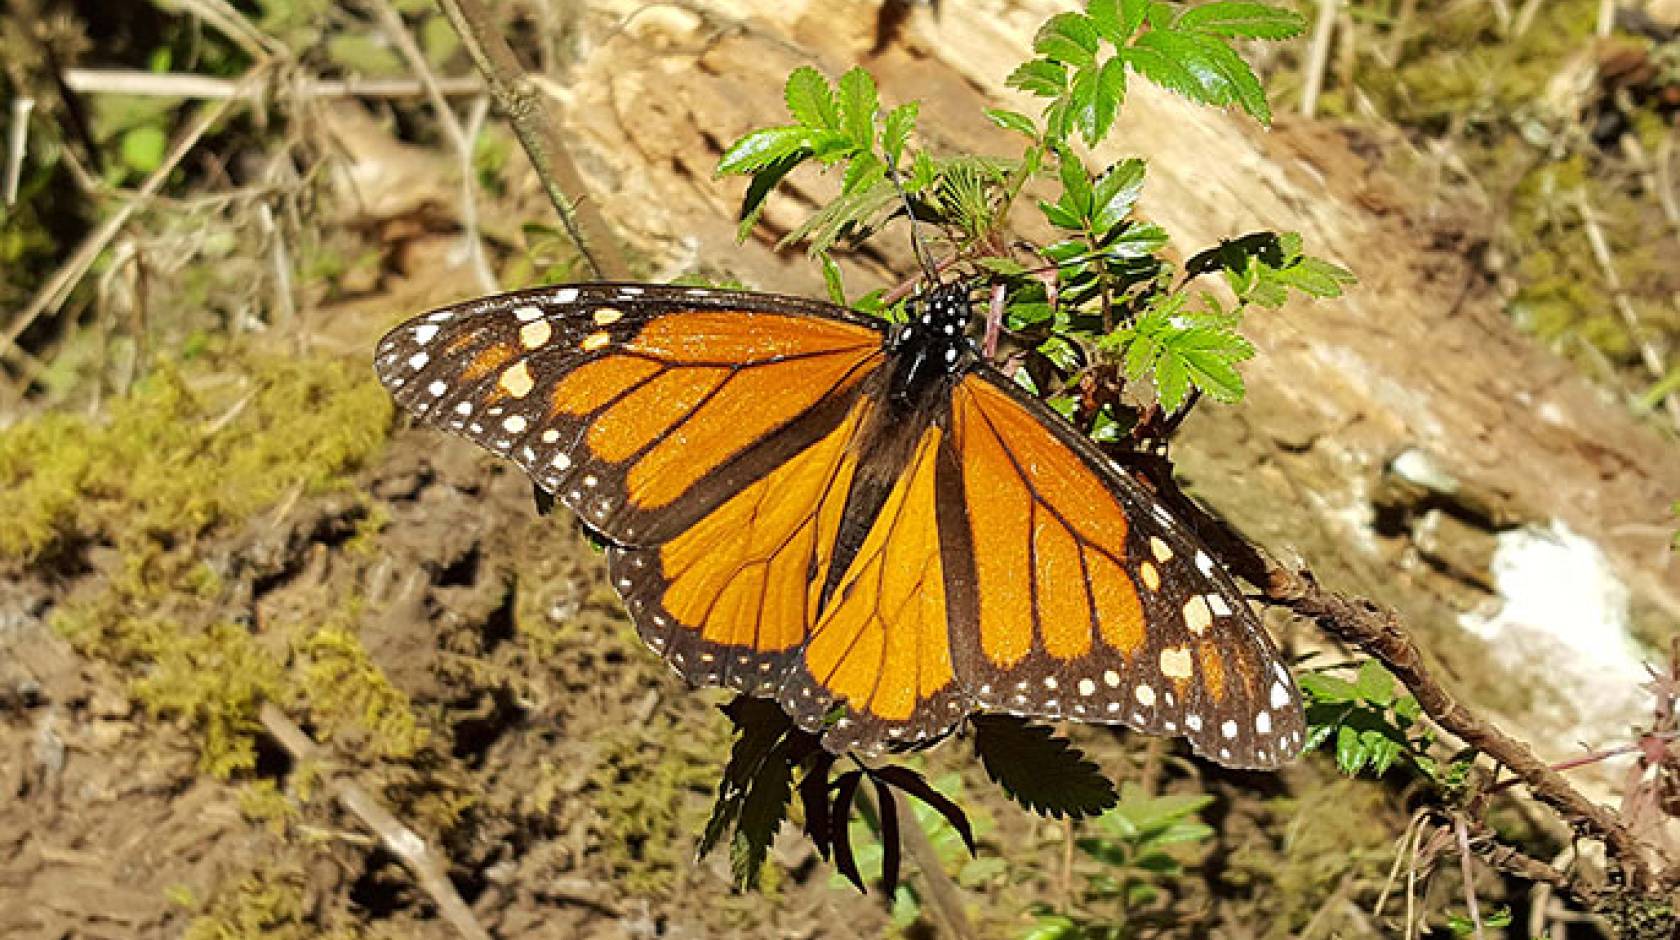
<point>930,347</point>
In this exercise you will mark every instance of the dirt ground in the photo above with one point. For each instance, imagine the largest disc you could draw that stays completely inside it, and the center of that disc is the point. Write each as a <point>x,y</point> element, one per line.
<point>491,693</point>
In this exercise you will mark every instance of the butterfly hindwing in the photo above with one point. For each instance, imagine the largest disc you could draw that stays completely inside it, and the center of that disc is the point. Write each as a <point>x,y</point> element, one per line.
<point>1091,601</point>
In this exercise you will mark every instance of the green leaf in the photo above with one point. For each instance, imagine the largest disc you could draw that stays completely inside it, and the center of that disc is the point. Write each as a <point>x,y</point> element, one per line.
<point>1110,24</point>
<point>765,180</point>
<point>1067,37</point>
<point>1039,77</point>
<point>864,171</point>
<point>1040,770</point>
<point>1350,752</point>
<point>1241,19</point>
<point>1199,67</point>
<point>1076,186</point>
<point>1116,193</point>
<point>1374,683</point>
<point>858,101</point>
<point>810,99</point>
<point>1133,13</point>
<point>1092,111</point>
<point>762,147</point>
<point>1321,687</point>
<point>1316,277</point>
<point>762,812</point>
<point>1137,240</point>
<point>142,148</point>
<point>896,131</point>
<point>832,280</point>
<point>1013,121</point>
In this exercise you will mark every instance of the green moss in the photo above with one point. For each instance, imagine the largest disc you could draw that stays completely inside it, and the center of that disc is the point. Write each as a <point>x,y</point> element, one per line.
<point>216,680</point>
<point>271,901</point>
<point>186,451</point>
<point>651,787</point>
<point>346,691</point>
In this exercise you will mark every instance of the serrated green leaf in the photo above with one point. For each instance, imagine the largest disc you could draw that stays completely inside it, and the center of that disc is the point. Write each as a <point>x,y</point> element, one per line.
<point>1321,687</point>
<point>1172,380</point>
<point>923,174</point>
<point>760,148</point>
<point>1004,267</point>
<point>1199,67</point>
<point>1116,192</point>
<point>810,99</point>
<point>1137,240</point>
<point>1133,13</point>
<point>858,101</point>
<point>1110,24</point>
<point>832,280</point>
<point>1242,19</point>
<point>1374,683</point>
<point>1350,751</point>
<point>1076,186</point>
<point>1068,37</point>
<point>1040,770</point>
<point>1092,111</point>
<point>763,182</point>
<point>896,130</point>
<point>762,812</point>
<point>1013,121</point>
<point>1316,277</point>
<point>1039,77</point>
<point>864,171</point>
<point>1061,217</point>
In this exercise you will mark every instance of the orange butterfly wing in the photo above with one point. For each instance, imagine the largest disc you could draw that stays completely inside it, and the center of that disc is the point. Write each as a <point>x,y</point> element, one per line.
<point>640,407</point>
<point>1090,601</point>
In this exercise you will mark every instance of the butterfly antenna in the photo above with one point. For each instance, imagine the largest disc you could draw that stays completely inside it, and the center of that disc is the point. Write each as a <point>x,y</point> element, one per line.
<point>916,243</point>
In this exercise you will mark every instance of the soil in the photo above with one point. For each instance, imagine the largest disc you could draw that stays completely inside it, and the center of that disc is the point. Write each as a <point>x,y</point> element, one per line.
<point>566,774</point>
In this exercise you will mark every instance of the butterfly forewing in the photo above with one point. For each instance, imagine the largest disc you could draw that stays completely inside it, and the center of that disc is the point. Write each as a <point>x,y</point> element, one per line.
<point>640,407</point>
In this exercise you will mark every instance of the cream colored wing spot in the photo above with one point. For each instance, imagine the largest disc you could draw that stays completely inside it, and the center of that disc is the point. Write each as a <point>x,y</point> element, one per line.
<point>1197,616</point>
<point>534,334</point>
<point>1176,663</point>
<point>596,341</point>
<point>1160,549</point>
<point>1150,575</point>
<point>607,316</point>
<point>516,380</point>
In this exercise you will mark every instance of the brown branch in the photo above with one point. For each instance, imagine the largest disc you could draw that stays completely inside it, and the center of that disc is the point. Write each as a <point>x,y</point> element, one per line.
<point>1377,631</point>
<point>538,132</point>
<point>427,867</point>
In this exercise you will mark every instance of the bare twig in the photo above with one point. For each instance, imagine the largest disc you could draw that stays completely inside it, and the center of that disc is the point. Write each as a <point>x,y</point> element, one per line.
<point>428,869</point>
<point>538,132</point>
<point>1377,631</point>
<point>181,85</point>
<point>1648,353</point>
<point>57,288</point>
<point>231,23</point>
<point>1462,833</point>
<point>391,22</point>
<point>1318,55</point>
<point>17,145</point>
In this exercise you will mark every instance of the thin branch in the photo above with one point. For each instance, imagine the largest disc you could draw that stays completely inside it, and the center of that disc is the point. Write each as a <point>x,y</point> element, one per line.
<point>1462,833</point>
<point>391,22</point>
<point>1377,631</point>
<point>1648,353</point>
<point>17,147</point>
<point>56,291</point>
<point>1318,55</point>
<point>425,864</point>
<point>183,85</point>
<point>231,23</point>
<point>539,133</point>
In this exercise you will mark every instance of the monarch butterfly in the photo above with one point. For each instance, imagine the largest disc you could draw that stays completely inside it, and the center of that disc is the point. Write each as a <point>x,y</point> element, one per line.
<point>865,521</point>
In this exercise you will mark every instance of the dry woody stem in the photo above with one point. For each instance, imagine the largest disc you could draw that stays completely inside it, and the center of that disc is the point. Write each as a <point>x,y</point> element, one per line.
<point>1377,631</point>
<point>538,132</point>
